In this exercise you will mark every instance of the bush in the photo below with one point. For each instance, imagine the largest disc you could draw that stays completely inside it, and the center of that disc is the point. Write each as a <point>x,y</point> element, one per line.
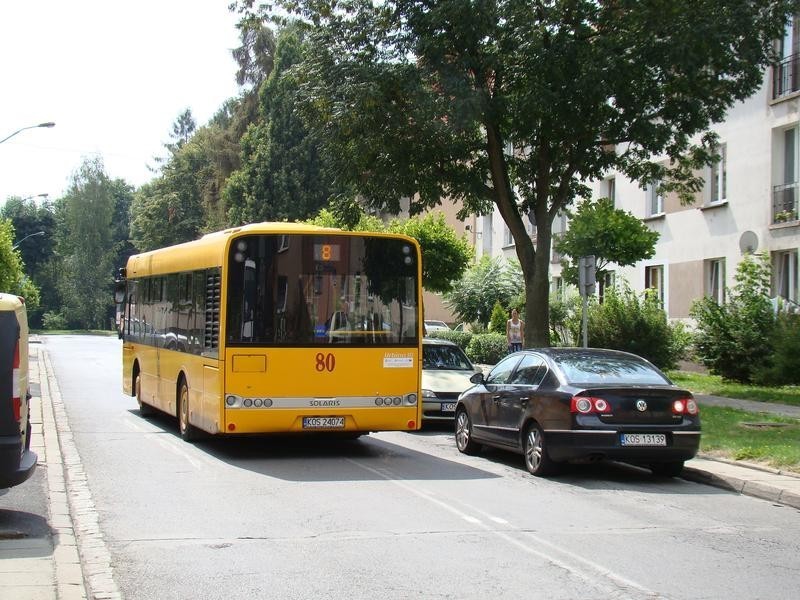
<point>487,348</point>
<point>734,340</point>
<point>497,322</point>
<point>783,366</point>
<point>460,338</point>
<point>52,320</point>
<point>633,323</point>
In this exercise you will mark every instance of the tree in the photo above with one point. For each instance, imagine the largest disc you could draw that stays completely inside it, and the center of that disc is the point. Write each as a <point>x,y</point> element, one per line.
<point>283,177</point>
<point>518,105</point>
<point>86,246</point>
<point>489,281</point>
<point>610,234</point>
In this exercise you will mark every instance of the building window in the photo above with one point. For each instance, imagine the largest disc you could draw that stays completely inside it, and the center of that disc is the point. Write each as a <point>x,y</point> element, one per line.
<point>655,199</point>
<point>654,280</point>
<point>508,239</point>
<point>610,190</point>
<point>784,275</point>
<point>785,73</point>
<point>715,280</point>
<point>718,191</point>
<point>784,195</point>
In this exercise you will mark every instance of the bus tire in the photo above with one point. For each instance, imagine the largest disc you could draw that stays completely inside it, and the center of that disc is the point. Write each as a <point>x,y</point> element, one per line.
<point>145,410</point>
<point>189,432</point>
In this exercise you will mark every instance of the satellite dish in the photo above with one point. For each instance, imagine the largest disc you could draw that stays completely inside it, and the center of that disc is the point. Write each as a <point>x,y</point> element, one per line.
<point>748,242</point>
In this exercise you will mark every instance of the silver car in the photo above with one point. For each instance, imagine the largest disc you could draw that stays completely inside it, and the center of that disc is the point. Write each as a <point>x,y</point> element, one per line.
<point>446,372</point>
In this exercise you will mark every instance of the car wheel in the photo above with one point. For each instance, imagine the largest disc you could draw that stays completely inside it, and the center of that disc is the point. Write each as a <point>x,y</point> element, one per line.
<point>189,432</point>
<point>464,441</point>
<point>145,410</point>
<point>537,460</point>
<point>667,469</point>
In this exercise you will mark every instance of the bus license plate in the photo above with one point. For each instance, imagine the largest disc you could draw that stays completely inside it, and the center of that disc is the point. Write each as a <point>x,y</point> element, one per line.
<point>448,407</point>
<point>323,422</point>
<point>643,439</point>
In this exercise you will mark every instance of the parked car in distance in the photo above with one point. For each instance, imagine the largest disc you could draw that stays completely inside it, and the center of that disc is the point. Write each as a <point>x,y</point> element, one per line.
<point>17,460</point>
<point>432,325</point>
<point>446,372</point>
<point>556,405</point>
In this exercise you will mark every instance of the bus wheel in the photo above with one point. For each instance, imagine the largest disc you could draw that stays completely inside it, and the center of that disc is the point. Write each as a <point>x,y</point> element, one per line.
<point>145,410</point>
<point>189,432</point>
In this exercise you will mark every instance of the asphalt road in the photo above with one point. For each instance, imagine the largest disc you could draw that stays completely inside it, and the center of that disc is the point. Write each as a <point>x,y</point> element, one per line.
<point>395,515</point>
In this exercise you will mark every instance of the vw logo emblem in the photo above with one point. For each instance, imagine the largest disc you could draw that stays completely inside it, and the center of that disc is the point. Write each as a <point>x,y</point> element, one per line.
<point>641,405</point>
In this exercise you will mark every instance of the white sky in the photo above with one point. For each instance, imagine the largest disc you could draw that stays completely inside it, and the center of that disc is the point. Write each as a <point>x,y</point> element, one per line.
<point>113,76</point>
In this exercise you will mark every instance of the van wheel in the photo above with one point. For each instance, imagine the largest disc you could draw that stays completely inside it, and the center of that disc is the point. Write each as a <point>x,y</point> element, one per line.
<point>189,432</point>
<point>145,410</point>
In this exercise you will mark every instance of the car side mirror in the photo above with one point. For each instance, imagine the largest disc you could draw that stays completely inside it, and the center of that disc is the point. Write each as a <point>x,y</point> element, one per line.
<point>477,378</point>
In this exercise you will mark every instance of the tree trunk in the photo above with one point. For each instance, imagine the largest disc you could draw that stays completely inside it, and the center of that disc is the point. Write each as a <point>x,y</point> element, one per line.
<point>537,290</point>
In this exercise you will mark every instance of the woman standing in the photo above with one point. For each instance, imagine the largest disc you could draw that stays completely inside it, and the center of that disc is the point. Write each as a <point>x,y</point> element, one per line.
<point>515,332</point>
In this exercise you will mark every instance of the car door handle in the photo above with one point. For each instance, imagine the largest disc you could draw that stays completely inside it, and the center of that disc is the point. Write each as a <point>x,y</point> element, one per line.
<point>496,398</point>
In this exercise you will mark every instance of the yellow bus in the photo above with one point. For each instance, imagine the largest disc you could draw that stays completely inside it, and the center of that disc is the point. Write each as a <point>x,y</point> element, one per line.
<point>275,327</point>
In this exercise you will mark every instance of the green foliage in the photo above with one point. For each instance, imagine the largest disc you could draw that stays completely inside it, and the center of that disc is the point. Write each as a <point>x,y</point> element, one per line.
<point>610,234</point>
<point>283,176</point>
<point>10,263</point>
<point>420,100</point>
<point>497,322</point>
<point>485,283</point>
<point>734,339</point>
<point>87,247</point>
<point>54,321</point>
<point>460,338</point>
<point>633,323</point>
<point>561,311</point>
<point>782,366</point>
<point>487,348</point>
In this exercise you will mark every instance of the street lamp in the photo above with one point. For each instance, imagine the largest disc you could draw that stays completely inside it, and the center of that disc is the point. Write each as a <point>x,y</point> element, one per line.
<point>48,124</point>
<point>15,246</point>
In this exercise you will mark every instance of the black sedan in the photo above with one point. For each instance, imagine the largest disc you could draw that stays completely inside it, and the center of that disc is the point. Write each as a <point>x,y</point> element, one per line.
<point>556,405</point>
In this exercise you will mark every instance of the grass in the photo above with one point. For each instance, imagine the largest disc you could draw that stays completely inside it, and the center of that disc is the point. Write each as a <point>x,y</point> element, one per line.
<point>713,385</point>
<point>751,437</point>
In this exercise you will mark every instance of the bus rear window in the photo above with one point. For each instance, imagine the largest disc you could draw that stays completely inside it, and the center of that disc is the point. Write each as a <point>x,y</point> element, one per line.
<point>309,290</point>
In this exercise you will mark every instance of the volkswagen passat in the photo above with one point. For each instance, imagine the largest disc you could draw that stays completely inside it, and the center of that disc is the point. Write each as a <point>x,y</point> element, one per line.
<point>556,405</point>
<point>446,372</point>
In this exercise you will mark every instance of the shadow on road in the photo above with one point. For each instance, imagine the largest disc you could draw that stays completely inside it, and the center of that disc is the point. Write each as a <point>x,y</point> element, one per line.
<point>325,457</point>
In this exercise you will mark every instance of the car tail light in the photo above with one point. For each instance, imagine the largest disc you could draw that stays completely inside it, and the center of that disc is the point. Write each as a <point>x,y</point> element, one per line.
<point>587,405</point>
<point>684,406</point>
<point>15,395</point>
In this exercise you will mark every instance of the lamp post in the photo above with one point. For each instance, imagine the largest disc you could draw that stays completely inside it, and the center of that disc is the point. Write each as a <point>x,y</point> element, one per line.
<point>15,246</point>
<point>48,125</point>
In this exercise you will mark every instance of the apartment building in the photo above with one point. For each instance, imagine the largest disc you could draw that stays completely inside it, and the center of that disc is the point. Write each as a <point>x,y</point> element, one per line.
<point>749,204</point>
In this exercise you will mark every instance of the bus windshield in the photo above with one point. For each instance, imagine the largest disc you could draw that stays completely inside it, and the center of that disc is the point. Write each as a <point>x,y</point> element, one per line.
<point>314,290</point>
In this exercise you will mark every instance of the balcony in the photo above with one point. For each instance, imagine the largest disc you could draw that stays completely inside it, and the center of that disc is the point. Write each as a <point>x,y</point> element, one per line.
<point>784,203</point>
<point>785,77</point>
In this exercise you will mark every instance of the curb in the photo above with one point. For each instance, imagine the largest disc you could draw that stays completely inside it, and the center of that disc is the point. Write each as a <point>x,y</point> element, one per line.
<point>757,489</point>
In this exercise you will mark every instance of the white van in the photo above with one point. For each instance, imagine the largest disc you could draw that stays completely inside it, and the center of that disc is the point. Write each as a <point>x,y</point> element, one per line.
<point>17,462</point>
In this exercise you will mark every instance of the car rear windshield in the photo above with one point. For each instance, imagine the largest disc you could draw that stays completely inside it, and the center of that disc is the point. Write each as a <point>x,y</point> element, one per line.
<point>588,368</point>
